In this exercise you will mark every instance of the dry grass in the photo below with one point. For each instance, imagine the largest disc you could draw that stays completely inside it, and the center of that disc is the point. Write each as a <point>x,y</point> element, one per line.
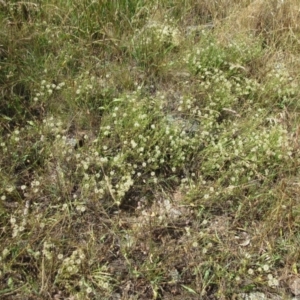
<point>149,150</point>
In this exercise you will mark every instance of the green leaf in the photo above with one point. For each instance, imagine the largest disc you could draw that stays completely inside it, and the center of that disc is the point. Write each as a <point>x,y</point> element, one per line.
<point>189,289</point>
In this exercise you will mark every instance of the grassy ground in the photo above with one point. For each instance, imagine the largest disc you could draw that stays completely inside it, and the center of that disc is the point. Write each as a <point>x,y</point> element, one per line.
<point>149,149</point>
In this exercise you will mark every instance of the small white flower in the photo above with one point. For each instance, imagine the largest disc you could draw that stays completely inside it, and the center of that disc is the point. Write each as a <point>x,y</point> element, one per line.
<point>266,268</point>
<point>65,206</point>
<point>195,245</point>
<point>70,269</point>
<point>204,222</point>
<point>273,282</point>
<point>250,272</point>
<point>133,144</point>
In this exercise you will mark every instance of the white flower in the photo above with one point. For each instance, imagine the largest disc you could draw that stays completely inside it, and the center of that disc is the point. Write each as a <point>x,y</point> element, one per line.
<point>133,144</point>
<point>70,269</point>
<point>266,268</point>
<point>272,281</point>
<point>250,272</point>
<point>195,245</point>
<point>65,206</point>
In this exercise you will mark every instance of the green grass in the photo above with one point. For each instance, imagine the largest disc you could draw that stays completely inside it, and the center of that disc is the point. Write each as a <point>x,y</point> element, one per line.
<point>149,150</point>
